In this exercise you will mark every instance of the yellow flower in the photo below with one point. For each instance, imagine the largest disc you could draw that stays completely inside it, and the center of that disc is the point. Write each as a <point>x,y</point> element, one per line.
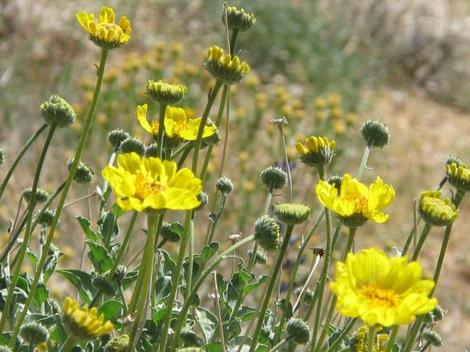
<point>84,323</point>
<point>224,67</point>
<point>104,32</point>
<point>177,124</point>
<point>381,290</point>
<point>316,151</point>
<point>354,203</point>
<point>436,211</point>
<point>458,175</point>
<point>143,183</point>
<point>359,341</point>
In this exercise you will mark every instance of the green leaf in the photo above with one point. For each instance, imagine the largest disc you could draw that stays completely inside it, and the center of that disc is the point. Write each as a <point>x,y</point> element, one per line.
<point>213,347</point>
<point>258,282</point>
<point>247,313</point>
<point>40,295</point>
<point>108,227</point>
<point>207,321</point>
<point>209,251</point>
<point>82,282</point>
<point>111,310</point>
<point>85,225</point>
<point>99,257</point>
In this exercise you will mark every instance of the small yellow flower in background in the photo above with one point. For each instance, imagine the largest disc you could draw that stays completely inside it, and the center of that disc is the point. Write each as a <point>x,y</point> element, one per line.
<point>381,290</point>
<point>359,341</point>
<point>436,211</point>
<point>316,151</point>
<point>176,122</point>
<point>104,32</point>
<point>149,183</point>
<point>354,203</point>
<point>224,67</point>
<point>84,323</point>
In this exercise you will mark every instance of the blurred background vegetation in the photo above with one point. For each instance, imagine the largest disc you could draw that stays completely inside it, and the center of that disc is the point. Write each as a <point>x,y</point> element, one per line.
<point>326,65</point>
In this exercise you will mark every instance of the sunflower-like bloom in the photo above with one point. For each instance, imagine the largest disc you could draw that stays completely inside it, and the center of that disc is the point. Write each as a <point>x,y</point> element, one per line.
<point>84,323</point>
<point>149,183</point>
<point>225,67</point>
<point>354,203</point>
<point>436,211</point>
<point>359,341</point>
<point>381,290</point>
<point>177,124</point>
<point>458,175</point>
<point>104,32</point>
<point>316,151</point>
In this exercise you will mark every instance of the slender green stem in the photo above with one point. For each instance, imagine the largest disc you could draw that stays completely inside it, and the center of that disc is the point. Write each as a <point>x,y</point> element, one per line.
<point>190,257</point>
<point>442,253</point>
<point>412,233</point>
<point>422,239</point>
<point>286,159</point>
<point>363,165</point>
<point>269,290</point>
<point>215,222</point>
<point>23,150</point>
<point>68,184</point>
<point>28,232</point>
<point>211,266</point>
<point>219,313</point>
<point>175,282</point>
<point>233,40</point>
<point>322,280</point>
<point>184,155</point>
<point>347,249</point>
<point>342,335</point>
<point>280,344</point>
<point>392,338</point>
<point>68,344</point>
<point>105,193</point>
<point>161,131</point>
<point>118,258</point>
<point>371,339</point>
<point>218,120</point>
<point>200,131</point>
<point>147,266</point>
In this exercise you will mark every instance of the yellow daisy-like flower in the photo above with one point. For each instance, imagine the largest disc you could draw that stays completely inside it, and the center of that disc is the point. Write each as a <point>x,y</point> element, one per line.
<point>436,211</point>
<point>149,183</point>
<point>84,323</point>
<point>316,151</point>
<point>225,67</point>
<point>104,32</point>
<point>177,124</point>
<point>381,290</point>
<point>354,203</point>
<point>458,175</point>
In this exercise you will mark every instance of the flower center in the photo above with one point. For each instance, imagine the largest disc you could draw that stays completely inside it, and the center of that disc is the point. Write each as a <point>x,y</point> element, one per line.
<point>360,201</point>
<point>145,187</point>
<point>379,296</point>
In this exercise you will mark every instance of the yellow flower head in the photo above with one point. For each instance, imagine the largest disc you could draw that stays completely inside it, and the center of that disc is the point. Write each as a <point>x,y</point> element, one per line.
<point>381,290</point>
<point>149,183</point>
<point>359,341</point>
<point>104,32</point>
<point>458,175</point>
<point>84,323</point>
<point>166,93</point>
<point>177,124</point>
<point>436,211</point>
<point>316,151</point>
<point>224,67</point>
<point>354,203</point>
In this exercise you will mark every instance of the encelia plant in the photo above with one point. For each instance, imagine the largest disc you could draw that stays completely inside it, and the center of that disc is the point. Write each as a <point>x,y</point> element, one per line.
<point>362,299</point>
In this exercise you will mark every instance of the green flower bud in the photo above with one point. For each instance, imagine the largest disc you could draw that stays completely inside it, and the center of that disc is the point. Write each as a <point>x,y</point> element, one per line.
<point>152,151</point>
<point>260,257</point>
<point>436,211</point>
<point>189,338</point>
<point>432,337</point>
<point>458,176</point>
<point>273,177</point>
<point>103,284</point>
<point>291,213</point>
<point>84,174</point>
<point>308,296</point>
<point>298,331</point>
<point>165,93</point>
<point>375,133</point>
<point>5,349</point>
<point>211,140</point>
<point>335,180</point>
<point>203,198</point>
<point>41,195</point>
<point>132,145</point>
<point>267,233</point>
<point>438,313</point>
<point>239,19</point>
<point>56,111</point>
<point>46,218</point>
<point>34,333</point>
<point>225,67</point>
<point>171,231</point>
<point>117,343</point>
<point>224,185</point>
<point>120,273</point>
<point>116,137</point>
